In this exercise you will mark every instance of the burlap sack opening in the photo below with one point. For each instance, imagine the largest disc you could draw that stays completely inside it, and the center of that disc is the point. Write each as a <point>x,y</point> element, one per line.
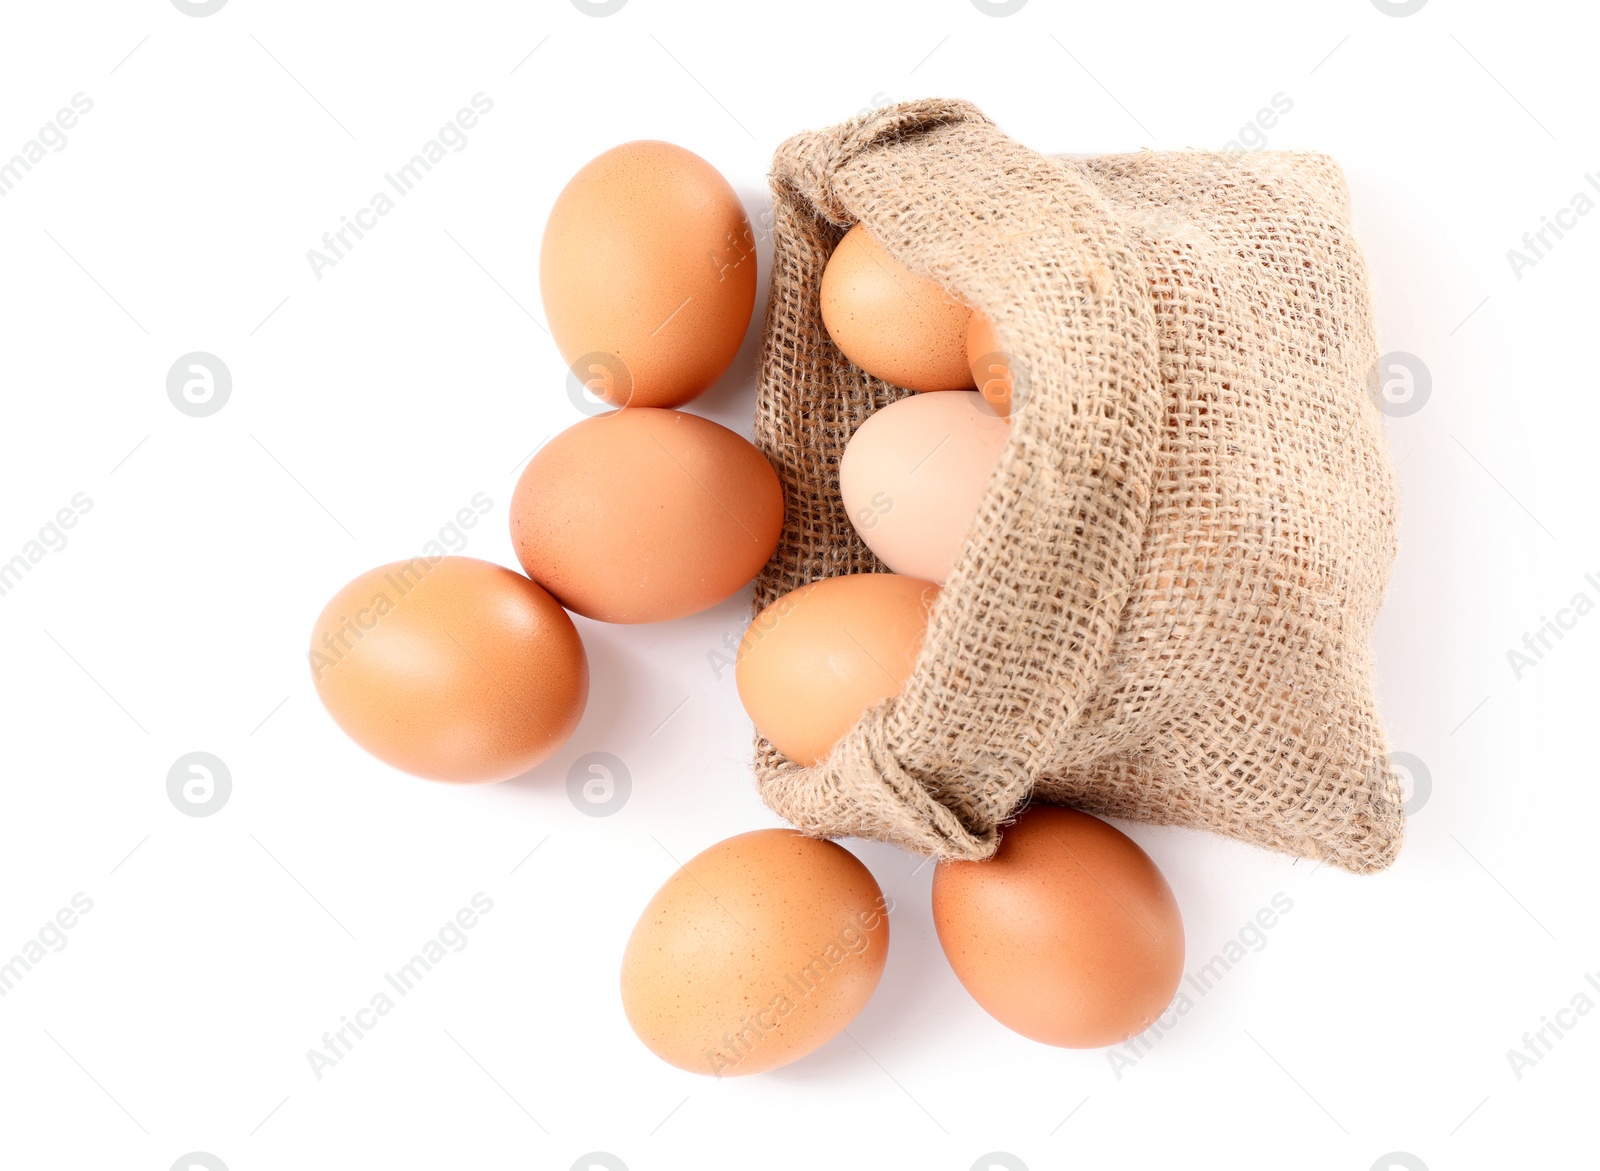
<point>1164,609</point>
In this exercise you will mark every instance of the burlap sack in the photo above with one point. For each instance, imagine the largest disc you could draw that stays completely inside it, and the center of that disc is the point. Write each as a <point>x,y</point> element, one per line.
<point>1164,608</point>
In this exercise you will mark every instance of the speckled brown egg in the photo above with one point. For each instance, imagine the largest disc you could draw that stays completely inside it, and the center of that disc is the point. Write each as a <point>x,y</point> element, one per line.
<point>817,658</point>
<point>450,668</point>
<point>893,323</point>
<point>1068,935</point>
<point>754,953</point>
<point>648,274</point>
<point>642,515</point>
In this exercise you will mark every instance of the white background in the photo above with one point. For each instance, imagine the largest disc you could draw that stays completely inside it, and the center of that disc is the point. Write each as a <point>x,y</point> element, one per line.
<point>368,406</point>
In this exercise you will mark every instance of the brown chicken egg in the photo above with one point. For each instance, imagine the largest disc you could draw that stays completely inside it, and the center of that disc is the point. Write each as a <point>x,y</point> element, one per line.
<point>1068,935</point>
<point>812,662</point>
<point>993,370</point>
<point>642,515</point>
<point>754,953</point>
<point>914,474</point>
<point>648,274</point>
<point>893,323</point>
<point>450,668</point>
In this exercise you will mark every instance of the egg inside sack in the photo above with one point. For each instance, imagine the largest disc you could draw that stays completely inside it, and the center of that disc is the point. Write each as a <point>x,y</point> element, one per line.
<point>754,953</point>
<point>648,274</point>
<point>452,669</point>
<point>811,663</point>
<point>914,474</point>
<point>644,515</point>
<point>1068,935</point>
<point>996,373</point>
<point>893,323</point>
